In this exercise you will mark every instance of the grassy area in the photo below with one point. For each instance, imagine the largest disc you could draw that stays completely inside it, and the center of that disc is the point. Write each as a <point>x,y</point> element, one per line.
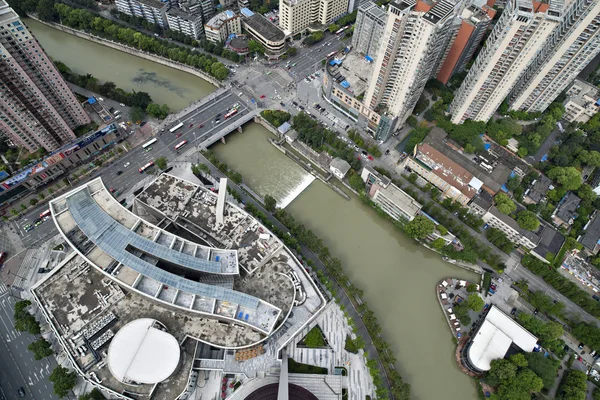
<point>299,368</point>
<point>83,129</point>
<point>59,247</point>
<point>314,338</point>
<point>487,279</point>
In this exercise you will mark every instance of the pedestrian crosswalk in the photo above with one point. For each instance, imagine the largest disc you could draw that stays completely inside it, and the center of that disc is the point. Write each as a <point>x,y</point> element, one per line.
<point>3,289</point>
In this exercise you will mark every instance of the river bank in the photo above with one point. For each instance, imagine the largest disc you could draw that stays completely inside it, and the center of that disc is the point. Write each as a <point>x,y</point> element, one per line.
<point>131,50</point>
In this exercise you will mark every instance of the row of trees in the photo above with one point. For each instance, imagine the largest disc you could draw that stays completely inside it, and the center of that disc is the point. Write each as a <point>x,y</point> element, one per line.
<point>565,286</point>
<point>300,235</point>
<point>320,139</point>
<point>236,177</point>
<point>52,11</point>
<point>367,144</point>
<point>513,378</point>
<point>499,239</point>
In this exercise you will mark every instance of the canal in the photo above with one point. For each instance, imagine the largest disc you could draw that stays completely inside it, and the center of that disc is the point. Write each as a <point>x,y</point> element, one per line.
<point>398,277</point>
<point>164,84</point>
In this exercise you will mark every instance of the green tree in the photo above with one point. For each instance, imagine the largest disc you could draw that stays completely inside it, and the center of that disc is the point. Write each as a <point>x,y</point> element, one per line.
<point>471,288</point>
<point>314,338</point>
<point>95,394</point>
<point>504,204</point>
<point>33,202</point>
<point>475,303</point>
<point>40,348</point>
<point>519,360</point>
<point>136,114</point>
<point>573,386</point>
<point>23,207</point>
<point>63,380</point>
<point>45,11</point>
<point>333,27</point>
<point>596,393</point>
<point>270,203</point>
<point>501,371</point>
<point>356,182</point>
<point>522,152</point>
<point>438,243</point>
<point>161,162</point>
<point>442,229</point>
<point>568,177</point>
<point>544,367</point>
<point>528,220</point>
<point>420,227</point>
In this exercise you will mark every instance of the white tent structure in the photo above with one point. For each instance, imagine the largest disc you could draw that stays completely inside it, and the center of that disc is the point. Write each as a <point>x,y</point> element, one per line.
<point>142,353</point>
<point>495,336</point>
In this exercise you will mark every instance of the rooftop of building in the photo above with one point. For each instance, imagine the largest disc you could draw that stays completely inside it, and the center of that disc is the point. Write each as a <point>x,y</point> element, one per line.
<point>533,237</point>
<point>582,93</point>
<point>150,259</point>
<point>264,28</point>
<point>537,191</point>
<point>550,241</point>
<point>7,13</point>
<point>373,9</point>
<point>483,200</point>
<point>351,72</point>
<point>175,11</point>
<point>495,336</point>
<point>447,170</point>
<point>591,236</point>
<point>154,3</point>
<point>502,162</point>
<point>401,199</point>
<point>566,209</point>
<point>218,20</point>
<point>340,165</point>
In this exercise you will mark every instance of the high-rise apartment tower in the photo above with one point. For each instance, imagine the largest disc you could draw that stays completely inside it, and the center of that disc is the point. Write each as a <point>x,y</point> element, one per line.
<point>569,49</point>
<point>413,42</point>
<point>297,15</point>
<point>37,108</point>
<point>369,28</point>
<point>519,34</point>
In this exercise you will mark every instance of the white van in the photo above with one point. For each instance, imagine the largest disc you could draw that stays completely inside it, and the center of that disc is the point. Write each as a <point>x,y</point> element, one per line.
<point>117,117</point>
<point>117,112</point>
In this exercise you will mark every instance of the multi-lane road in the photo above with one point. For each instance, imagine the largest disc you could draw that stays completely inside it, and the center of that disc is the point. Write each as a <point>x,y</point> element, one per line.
<point>309,59</point>
<point>18,368</point>
<point>134,159</point>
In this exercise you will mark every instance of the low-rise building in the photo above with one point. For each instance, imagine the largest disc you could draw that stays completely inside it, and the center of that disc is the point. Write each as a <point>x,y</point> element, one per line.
<point>393,200</point>
<point>222,25</point>
<point>265,32</point>
<point>511,228</point>
<point>187,23</point>
<point>590,239</point>
<point>481,203</point>
<point>339,167</point>
<point>536,193</point>
<point>550,243</point>
<point>56,164</point>
<point>451,179</point>
<point>582,102</point>
<point>153,11</point>
<point>495,337</point>
<point>566,210</point>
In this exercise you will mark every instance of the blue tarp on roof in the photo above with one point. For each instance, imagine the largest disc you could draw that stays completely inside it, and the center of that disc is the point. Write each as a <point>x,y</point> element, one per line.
<point>512,174</point>
<point>544,158</point>
<point>504,188</point>
<point>92,100</point>
<point>487,146</point>
<point>246,12</point>
<point>345,84</point>
<point>369,58</point>
<point>598,102</point>
<point>335,61</point>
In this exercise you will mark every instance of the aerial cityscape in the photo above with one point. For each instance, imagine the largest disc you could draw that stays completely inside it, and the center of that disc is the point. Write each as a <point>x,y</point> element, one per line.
<point>300,199</point>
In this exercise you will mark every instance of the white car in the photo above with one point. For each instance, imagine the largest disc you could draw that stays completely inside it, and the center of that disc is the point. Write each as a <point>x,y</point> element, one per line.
<point>122,105</point>
<point>127,164</point>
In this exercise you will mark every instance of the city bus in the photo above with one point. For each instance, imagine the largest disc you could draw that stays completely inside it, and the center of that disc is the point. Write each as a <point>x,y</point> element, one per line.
<point>180,145</point>
<point>173,129</point>
<point>149,143</point>
<point>341,30</point>
<point>45,214</point>
<point>331,54</point>
<point>231,113</point>
<point>147,167</point>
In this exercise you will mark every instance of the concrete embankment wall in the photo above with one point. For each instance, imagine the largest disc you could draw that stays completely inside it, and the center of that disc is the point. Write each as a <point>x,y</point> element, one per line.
<point>133,51</point>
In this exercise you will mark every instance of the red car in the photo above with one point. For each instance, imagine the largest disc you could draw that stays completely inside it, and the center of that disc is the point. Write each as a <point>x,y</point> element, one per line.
<point>200,126</point>
<point>370,158</point>
<point>179,134</point>
<point>262,96</point>
<point>112,190</point>
<point>191,125</point>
